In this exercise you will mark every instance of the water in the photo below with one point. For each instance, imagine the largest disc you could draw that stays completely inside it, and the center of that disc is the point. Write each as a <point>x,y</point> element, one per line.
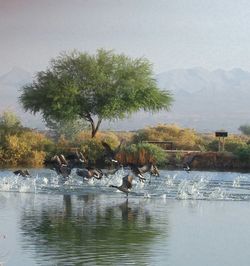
<point>179,218</point>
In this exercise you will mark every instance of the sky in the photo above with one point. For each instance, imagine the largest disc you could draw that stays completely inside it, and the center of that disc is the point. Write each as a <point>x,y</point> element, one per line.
<point>170,33</point>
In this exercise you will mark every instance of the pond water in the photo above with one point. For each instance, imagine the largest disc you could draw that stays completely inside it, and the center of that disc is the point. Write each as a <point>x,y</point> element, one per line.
<point>179,218</point>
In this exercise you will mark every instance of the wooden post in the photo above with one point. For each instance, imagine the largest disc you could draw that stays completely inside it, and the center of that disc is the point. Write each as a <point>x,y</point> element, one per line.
<point>221,143</point>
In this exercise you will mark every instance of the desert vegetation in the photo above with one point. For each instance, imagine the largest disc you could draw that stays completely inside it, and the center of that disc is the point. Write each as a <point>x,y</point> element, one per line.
<point>21,146</point>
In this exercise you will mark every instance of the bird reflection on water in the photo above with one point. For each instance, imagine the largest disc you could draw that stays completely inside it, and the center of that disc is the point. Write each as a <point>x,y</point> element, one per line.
<point>80,223</point>
<point>89,229</point>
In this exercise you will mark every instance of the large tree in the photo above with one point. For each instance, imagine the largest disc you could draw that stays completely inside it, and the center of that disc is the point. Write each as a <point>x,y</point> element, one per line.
<point>94,87</point>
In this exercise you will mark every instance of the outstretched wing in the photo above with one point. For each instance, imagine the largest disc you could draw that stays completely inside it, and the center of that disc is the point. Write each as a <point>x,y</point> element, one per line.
<point>145,168</point>
<point>127,181</point>
<point>108,149</point>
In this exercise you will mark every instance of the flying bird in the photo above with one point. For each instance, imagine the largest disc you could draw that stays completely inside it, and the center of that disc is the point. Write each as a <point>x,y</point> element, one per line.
<point>140,171</point>
<point>187,163</point>
<point>88,173</point>
<point>60,165</point>
<point>126,184</point>
<point>111,153</point>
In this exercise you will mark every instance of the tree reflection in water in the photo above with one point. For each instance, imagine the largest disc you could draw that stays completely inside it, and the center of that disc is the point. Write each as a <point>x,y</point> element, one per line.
<point>87,229</point>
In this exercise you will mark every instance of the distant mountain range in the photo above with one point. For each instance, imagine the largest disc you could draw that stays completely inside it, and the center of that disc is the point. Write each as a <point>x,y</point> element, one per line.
<point>10,90</point>
<point>203,100</point>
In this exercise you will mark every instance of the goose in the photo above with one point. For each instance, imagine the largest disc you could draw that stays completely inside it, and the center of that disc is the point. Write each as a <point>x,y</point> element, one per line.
<point>126,184</point>
<point>139,171</point>
<point>60,165</point>
<point>151,168</point>
<point>75,159</point>
<point>64,164</point>
<point>112,171</point>
<point>24,173</point>
<point>88,173</point>
<point>187,163</point>
<point>111,153</point>
<point>186,167</point>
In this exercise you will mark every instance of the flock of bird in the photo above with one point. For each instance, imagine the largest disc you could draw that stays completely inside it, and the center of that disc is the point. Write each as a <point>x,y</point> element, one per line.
<point>63,166</point>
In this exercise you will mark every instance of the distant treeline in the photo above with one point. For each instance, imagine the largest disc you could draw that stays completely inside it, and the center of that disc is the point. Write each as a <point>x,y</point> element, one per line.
<point>21,146</point>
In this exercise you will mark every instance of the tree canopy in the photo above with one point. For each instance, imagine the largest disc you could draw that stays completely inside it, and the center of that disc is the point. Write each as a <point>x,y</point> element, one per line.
<point>68,129</point>
<point>245,129</point>
<point>94,87</point>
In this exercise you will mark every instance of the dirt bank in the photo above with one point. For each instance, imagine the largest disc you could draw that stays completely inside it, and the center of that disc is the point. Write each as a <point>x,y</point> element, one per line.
<point>221,161</point>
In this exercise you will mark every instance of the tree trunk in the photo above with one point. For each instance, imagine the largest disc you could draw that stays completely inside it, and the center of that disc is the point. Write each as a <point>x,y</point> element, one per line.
<point>94,127</point>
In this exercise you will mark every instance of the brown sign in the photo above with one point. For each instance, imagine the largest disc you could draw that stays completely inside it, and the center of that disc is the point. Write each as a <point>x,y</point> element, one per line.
<point>221,134</point>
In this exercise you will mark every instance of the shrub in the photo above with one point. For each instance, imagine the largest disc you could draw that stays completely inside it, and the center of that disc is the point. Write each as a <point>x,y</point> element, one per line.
<point>243,153</point>
<point>93,150</point>
<point>232,144</point>
<point>213,145</point>
<point>24,149</point>
<point>182,138</point>
<point>10,124</point>
<point>142,153</point>
<point>245,129</point>
<point>34,159</point>
<point>36,140</point>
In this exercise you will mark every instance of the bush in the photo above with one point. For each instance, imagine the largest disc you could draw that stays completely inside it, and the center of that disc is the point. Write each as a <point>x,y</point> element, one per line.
<point>109,137</point>
<point>245,129</point>
<point>34,159</point>
<point>243,153</point>
<point>186,139</point>
<point>24,149</point>
<point>213,145</point>
<point>92,148</point>
<point>142,153</point>
<point>10,124</point>
<point>232,144</point>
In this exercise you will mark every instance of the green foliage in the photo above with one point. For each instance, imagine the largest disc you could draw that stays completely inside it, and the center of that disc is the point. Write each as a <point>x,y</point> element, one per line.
<point>109,137</point>
<point>245,129</point>
<point>243,153</point>
<point>213,145</point>
<point>117,226</point>
<point>18,152</point>
<point>93,150</point>
<point>182,138</point>
<point>142,153</point>
<point>27,148</point>
<point>102,86</point>
<point>178,157</point>
<point>61,146</point>
<point>19,145</point>
<point>68,129</point>
<point>9,119</point>
<point>231,144</point>
<point>9,124</point>
<point>234,143</point>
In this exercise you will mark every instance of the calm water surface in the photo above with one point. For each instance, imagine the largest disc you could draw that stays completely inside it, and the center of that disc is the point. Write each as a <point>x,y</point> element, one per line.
<point>196,218</point>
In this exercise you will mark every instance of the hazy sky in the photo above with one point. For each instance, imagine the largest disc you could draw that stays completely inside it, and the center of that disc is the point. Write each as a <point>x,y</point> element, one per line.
<point>171,33</point>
